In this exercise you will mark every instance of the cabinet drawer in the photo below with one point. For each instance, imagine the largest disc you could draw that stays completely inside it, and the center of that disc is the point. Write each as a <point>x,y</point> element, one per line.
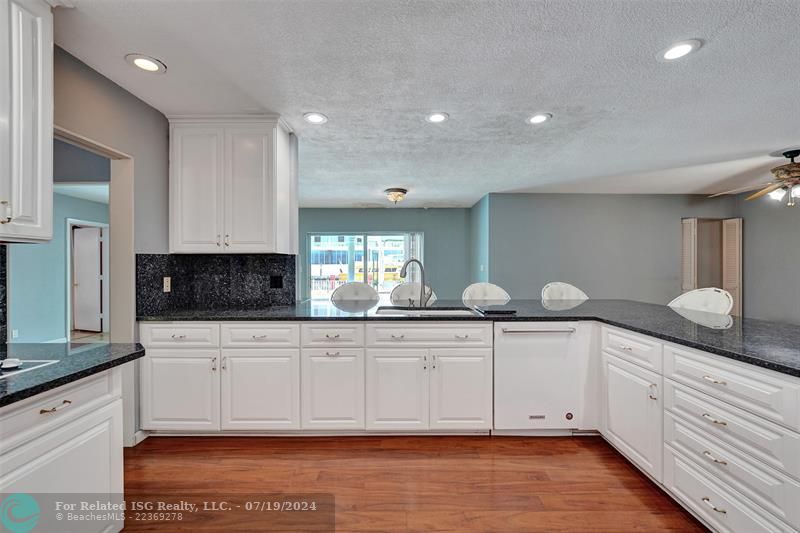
<point>637,349</point>
<point>723,508</point>
<point>25,420</point>
<point>327,334</point>
<point>772,490</point>
<point>175,334</point>
<point>747,433</point>
<point>430,334</point>
<point>259,334</point>
<point>763,393</point>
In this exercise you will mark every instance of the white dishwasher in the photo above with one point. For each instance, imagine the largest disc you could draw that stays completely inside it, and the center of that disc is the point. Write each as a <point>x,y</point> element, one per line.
<point>539,374</point>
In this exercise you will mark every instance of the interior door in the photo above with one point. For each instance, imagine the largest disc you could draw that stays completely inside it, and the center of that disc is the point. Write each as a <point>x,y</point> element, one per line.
<point>86,283</point>
<point>732,261</point>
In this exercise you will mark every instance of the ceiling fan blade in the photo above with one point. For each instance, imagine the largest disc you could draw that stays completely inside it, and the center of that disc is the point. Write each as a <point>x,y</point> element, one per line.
<point>740,189</point>
<point>764,191</point>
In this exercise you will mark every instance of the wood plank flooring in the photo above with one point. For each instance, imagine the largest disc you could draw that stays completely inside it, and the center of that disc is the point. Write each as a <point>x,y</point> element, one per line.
<point>463,484</point>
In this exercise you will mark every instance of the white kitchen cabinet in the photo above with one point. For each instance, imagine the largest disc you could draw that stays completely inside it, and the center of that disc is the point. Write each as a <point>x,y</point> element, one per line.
<point>260,389</point>
<point>633,412</point>
<point>539,375</point>
<point>460,388</point>
<point>232,186</point>
<point>180,390</point>
<point>26,121</point>
<point>397,389</point>
<point>333,388</point>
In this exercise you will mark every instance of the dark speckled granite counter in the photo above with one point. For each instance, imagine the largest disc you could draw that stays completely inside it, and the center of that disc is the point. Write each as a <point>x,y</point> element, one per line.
<point>766,344</point>
<point>75,361</point>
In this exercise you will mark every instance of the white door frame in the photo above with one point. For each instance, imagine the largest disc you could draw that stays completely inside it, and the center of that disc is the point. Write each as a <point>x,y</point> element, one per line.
<point>121,267</point>
<point>76,223</point>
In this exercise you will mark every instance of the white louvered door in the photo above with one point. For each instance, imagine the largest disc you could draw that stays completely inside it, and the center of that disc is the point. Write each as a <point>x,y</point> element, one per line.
<point>732,261</point>
<point>688,254</point>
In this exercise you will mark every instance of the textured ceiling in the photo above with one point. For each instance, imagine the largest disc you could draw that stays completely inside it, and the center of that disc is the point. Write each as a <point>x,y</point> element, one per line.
<point>624,122</point>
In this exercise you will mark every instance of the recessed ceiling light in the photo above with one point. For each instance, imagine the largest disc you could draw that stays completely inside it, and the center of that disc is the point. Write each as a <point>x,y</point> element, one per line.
<point>681,49</point>
<point>539,118</point>
<point>315,118</point>
<point>146,63</point>
<point>437,117</point>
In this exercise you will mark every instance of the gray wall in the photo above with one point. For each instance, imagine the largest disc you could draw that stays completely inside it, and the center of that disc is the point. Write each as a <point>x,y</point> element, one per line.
<point>446,239</point>
<point>71,164</point>
<point>771,259</point>
<point>91,105</point>
<point>611,246</point>
<point>479,233</point>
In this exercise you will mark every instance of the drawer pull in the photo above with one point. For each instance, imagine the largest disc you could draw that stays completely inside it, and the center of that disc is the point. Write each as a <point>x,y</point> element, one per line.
<point>65,403</point>
<point>712,458</point>
<point>178,337</point>
<point>334,354</point>
<point>653,388</point>
<point>527,331</point>
<point>398,337</point>
<point>332,337</point>
<point>714,420</point>
<point>707,501</point>
<point>715,381</point>
<point>259,337</point>
<point>461,337</point>
<point>625,347</point>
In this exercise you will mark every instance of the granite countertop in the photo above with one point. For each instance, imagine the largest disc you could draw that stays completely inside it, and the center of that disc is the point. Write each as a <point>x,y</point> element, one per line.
<point>73,362</point>
<point>772,345</point>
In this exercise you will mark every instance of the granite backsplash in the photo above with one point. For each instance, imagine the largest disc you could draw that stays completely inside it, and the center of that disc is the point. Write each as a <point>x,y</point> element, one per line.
<point>213,281</point>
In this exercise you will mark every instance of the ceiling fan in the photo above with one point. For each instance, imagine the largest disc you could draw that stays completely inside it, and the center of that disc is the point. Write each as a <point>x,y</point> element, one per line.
<point>787,180</point>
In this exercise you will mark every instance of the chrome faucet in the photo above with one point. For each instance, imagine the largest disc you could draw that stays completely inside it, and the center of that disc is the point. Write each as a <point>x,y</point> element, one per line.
<point>423,297</point>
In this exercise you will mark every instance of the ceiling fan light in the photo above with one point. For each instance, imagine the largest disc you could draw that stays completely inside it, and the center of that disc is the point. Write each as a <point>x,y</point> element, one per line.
<point>778,194</point>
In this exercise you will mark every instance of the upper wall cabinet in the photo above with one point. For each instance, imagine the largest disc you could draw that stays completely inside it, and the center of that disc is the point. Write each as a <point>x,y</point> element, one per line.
<point>26,121</point>
<point>233,186</point>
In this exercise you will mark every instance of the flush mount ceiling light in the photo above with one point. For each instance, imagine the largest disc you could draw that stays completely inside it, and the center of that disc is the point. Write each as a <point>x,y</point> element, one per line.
<point>437,117</point>
<point>146,63</point>
<point>539,118</point>
<point>679,50</point>
<point>395,194</point>
<point>315,118</point>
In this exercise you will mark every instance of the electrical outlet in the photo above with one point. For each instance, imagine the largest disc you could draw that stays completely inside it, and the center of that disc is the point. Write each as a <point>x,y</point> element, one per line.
<point>14,333</point>
<point>167,284</point>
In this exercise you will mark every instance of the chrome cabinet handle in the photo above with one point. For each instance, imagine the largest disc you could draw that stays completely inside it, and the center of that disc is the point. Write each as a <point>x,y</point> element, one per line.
<point>461,337</point>
<point>711,457</point>
<point>714,380</point>
<point>398,337</point>
<point>225,363</point>
<point>332,337</point>
<point>527,331</point>
<point>259,337</point>
<point>8,218</point>
<point>625,347</point>
<point>425,362</point>
<point>714,420</point>
<point>333,354</point>
<point>178,337</point>
<point>219,240</point>
<point>65,403</point>
<point>653,390</point>
<point>707,501</point>
<point>433,358</point>
<point>227,240</point>
<point>214,364</point>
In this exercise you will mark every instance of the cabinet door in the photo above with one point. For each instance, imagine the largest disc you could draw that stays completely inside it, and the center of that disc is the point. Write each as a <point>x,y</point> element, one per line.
<point>633,413</point>
<point>261,389</point>
<point>397,389</point>
<point>333,388</point>
<point>196,189</point>
<point>461,388</point>
<point>249,211</point>
<point>83,456</point>
<point>180,390</point>
<point>26,138</point>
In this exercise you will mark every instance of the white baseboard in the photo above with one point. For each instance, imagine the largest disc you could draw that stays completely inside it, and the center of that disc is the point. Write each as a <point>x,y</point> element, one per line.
<point>138,437</point>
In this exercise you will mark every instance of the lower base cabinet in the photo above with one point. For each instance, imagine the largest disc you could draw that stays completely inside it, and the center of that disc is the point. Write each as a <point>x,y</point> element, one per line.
<point>461,389</point>
<point>333,389</point>
<point>397,389</point>
<point>633,413</point>
<point>260,389</point>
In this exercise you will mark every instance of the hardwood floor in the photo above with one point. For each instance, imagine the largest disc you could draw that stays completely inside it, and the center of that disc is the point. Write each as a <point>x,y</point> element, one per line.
<point>420,483</point>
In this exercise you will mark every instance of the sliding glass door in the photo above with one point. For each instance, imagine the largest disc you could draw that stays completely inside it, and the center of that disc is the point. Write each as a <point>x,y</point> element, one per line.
<point>372,258</point>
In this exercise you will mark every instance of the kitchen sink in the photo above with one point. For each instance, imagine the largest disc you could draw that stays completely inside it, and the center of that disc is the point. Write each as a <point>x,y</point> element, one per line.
<point>426,311</point>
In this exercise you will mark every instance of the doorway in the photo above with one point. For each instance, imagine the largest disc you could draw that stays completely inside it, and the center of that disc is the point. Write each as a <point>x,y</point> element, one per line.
<point>88,274</point>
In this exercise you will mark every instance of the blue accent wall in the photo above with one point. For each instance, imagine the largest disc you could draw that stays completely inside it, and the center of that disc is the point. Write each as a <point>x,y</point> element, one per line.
<point>446,239</point>
<point>37,275</point>
<point>479,233</point>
